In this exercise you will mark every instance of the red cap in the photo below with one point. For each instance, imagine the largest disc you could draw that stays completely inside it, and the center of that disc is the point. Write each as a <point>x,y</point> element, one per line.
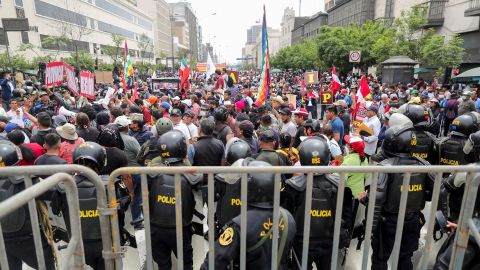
<point>344,91</point>
<point>356,144</point>
<point>246,92</point>
<point>301,111</point>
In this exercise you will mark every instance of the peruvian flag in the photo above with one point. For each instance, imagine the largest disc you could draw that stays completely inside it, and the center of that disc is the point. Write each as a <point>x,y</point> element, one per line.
<point>363,90</point>
<point>134,93</point>
<point>335,84</point>
<point>184,74</point>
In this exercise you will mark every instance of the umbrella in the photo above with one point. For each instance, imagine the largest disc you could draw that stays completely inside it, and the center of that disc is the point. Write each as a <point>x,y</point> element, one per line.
<point>276,70</point>
<point>469,75</point>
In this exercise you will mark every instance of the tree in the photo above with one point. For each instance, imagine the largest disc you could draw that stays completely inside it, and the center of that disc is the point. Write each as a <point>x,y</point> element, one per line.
<point>443,53</point>
<point>14,62</point>
<point>114,51</point>
<point>81,59</point>
<point>145,45</point>
<point>57,42</point>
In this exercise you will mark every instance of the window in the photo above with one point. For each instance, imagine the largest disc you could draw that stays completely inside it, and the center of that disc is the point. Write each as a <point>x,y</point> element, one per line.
<point>19,3</point>
<point>25,39</point>
<point>105,27</point>
<point>3,39</point>
<point>106,5</point>
<point>64,46</point>
<point>20,13</point>
<point>57,13</point>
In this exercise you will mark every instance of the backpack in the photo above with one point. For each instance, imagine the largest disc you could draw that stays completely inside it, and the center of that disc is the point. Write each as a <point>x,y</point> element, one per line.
<point>19,220</point>
<point>451,106</point>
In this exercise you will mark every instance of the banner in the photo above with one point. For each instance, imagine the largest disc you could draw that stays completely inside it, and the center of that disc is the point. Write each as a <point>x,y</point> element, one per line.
<point>327,97</point>
<point>311,77</point>
<point>234,75</point>
<point>87,85</point>
<point>202,67</point>
<point>103,76</point>
<point>72,84</point>
<point>54,73</point>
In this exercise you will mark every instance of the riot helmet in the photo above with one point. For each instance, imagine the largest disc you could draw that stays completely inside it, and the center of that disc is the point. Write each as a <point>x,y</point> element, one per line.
<point>398,119</point>
<point>238,150</point>
<point>88,153</point>
<point>398,140</point>
<point>8,154</point>
<point>473,144</point>
<point>172,146</point>
<point>220,114</point>
<point>418,114</point>
<point>465,124</point>
<point>314,151</point>
<point>260,187</point>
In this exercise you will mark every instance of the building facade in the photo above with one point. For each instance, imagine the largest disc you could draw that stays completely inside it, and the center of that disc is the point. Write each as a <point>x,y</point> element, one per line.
<point>182,11</point>
<point>86,25</point>
<point>252,33</point>
<point>274,36</point>
<point>310,28</point>
<point>286,25</point>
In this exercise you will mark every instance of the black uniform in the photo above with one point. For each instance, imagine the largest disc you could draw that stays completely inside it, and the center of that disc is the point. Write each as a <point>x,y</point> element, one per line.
<point>162,210</point>
<point>425,145</point>
<point>324,200</point>
<point>227,195</point>
<point>387,208</point>
<point>17,230</point>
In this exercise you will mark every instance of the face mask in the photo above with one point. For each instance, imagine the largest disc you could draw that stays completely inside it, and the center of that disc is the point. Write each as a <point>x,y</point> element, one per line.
<point>202,113</point>
<point>464,98</point>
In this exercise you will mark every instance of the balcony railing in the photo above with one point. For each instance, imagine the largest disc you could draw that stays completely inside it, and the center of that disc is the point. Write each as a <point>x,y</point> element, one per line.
<point>436,9</point>
<point>473,8</point>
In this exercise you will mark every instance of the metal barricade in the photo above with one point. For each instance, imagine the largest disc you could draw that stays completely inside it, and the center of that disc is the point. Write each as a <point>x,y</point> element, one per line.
<point>465,221</point>
<point>75,246</point>
<point>103,209</point>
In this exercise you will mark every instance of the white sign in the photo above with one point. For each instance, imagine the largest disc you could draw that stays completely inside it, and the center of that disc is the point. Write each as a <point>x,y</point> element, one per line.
<point>109,94</point>
<point>354,56</point>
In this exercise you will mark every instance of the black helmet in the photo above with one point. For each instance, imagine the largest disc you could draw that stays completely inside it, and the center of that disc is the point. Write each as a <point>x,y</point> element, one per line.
<point>237,150</point>
<point>398,140</point>
<point>465,124</point>
<point>419,114</point>
<point>314,151</point>
<point>260,187</point>
<point>315,125</point>
<point>474,141</point>
<point>172,146</point>
<point>220,114</point>
<point>8,154</point>
<point>285,139</point>
<point>90,151</point>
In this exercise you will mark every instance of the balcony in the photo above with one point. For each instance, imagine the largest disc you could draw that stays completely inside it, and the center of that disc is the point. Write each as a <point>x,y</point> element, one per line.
<point>436,9</point>
<point>473,9</point>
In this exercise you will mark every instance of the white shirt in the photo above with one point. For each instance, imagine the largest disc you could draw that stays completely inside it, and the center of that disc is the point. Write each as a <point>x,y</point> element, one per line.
<point>290,128</point>
<point>193,130</point>
<point>16,118</point>
<point>184,129</point>
<point>371,141</point>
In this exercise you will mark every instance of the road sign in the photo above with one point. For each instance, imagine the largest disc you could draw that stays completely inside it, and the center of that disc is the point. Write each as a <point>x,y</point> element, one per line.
<point>13,24</point>
<point>355,56</point>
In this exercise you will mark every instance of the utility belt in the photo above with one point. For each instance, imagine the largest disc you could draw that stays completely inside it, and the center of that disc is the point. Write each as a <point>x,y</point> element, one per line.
<point>408,215</point>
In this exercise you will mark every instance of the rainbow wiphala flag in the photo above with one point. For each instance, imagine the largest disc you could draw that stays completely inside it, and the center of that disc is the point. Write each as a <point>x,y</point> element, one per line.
<point>264,88</point>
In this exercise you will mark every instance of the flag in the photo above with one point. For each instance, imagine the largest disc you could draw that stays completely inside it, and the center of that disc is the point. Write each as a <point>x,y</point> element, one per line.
<point>135,92</point>
<point>363,90</point>
<point>258,21</point>
<point>210,66</point>
<point>335,84</point>
<point>184,75</point>
<point>154,75</point>
<point>264,87</point>
<point>127,66</point>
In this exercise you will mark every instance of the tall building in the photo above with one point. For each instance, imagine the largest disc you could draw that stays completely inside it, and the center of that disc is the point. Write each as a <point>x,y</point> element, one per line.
<point>252,33</point>
<point>182,11</point>
<point>274,36</point>
<point>310,28</point>
<point>446,17</point>
<point>87,25</point>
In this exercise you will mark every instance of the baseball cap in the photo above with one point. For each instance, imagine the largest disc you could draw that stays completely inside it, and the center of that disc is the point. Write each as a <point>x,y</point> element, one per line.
<point>425,93</point>
<point>277,99</point>
<point>165,105</point>
<point>189,113</point>
<point>152,99</point>
<point>340,102</point>
<point>415,91</point>
<point>301,111</point>
<point>136,117</point>
<point>176,111</point>
<point>344,91</point>
<point>10,127</point>
<point>393,96</point>
<point>176,98</point>
<point>356,144</point>
<point>122,121</point>
<point>285,111</point>
<point>373,108</point>
<point>267,136</point>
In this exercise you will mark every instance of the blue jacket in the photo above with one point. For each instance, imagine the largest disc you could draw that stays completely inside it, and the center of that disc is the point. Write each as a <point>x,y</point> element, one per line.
<point>7,89</point>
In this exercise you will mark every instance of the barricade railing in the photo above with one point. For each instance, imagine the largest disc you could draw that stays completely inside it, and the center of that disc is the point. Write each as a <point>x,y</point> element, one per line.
<point>28,172</point>
<point>75,247</point>
<point>464,223</point>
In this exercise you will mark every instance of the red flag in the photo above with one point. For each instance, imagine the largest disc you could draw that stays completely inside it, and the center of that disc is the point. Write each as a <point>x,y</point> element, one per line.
<point>135,92</point>
<point>335,84</point>
<point>363,90</point>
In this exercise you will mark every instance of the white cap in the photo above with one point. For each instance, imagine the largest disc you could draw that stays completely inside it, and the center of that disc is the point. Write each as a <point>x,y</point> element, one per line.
<point>122,121</point>
<point>176,98</point>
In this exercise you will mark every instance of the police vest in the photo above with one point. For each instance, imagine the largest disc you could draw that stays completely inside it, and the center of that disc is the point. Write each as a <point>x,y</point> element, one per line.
<point>416,189</point>
<point>451,152</point>
<point>228,204</point>
<point>16,223</point>
<point>162,201</point>
<point>259,222</point>
<point>423,146</point>
<point>322,214</point>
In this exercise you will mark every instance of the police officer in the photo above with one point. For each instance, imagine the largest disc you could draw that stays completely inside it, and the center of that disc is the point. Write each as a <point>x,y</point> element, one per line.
<point>451,152</point>
<point>471,259</point>
<point>16,227</point>
<point>420,117</point>
<point>397,146</point>
<point>314,152</point>
<point>259,228</point>
<point>93,156</point>
<point>173,150</point>
<point>227,186</point>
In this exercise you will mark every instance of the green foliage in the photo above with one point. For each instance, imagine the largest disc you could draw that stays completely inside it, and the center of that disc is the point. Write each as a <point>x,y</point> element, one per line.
<point>442,53</point>
<point>81,59</point>
<point>299,56</point>
<point>114,52</point>
<point>105,67</point>
<point>14,62</point>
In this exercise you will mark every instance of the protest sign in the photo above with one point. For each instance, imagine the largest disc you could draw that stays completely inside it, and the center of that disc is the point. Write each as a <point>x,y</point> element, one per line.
<point>327,97</point>
<point>72,84</point>
<point>86,85</point>
<point>54,73</point>
<point>103,76</point>
<point>311,77</point>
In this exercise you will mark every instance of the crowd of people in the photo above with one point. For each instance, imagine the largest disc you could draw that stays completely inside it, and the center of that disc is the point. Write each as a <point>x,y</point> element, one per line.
<point>217,123</point>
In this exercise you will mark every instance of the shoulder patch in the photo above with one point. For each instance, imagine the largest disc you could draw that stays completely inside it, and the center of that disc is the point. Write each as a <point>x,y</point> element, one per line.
<point>227,237</point>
